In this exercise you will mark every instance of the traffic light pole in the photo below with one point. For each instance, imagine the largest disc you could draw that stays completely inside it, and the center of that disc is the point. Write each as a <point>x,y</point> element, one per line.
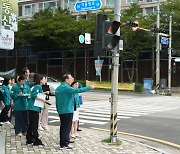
<point>114,78</point>
<point>169,61</point>
<point>158,48</point>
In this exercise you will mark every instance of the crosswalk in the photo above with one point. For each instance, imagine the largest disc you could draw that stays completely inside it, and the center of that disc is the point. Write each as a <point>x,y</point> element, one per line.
<point>98,112</point>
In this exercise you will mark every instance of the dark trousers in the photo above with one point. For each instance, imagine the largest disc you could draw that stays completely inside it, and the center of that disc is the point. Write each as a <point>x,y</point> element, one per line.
<point>21,121</point>
<point>4,114</point>
<point>65,127</point>
<point>32,133</point>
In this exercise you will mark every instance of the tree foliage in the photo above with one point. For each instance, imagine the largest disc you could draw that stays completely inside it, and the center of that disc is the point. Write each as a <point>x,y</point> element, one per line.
<point>49,30</point>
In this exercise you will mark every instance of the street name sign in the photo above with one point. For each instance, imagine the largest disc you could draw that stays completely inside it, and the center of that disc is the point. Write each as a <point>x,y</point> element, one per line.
<point>88,5</point>
<point>164,40</point>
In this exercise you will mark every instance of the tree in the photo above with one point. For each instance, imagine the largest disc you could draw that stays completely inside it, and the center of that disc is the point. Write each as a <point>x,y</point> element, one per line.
<point>53,30</point>
<point>171,7</point>
<point>134,42</point>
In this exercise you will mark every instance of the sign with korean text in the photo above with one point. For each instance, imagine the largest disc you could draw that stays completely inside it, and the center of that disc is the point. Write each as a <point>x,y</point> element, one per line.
<point>6,39</point>
<point>9,14</point>
<point>164,40</point>
<point>88,5</point>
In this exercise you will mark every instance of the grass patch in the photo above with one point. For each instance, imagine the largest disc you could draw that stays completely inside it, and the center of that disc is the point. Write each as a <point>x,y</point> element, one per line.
<point>108,140</point>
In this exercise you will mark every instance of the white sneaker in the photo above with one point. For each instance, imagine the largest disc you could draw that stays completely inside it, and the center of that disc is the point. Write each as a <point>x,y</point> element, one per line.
<point>1,123</point>
<point>73,136</point>
<point>45,127</point>
<point>7,122</point>
<point>20,134</point>
<point>40,128</point>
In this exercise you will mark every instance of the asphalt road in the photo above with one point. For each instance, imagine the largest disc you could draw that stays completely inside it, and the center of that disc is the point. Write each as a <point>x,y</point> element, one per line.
<point>148,115</point>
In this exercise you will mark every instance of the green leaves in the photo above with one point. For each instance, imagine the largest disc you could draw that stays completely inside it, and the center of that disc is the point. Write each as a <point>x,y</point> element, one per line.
<point>53,30</point>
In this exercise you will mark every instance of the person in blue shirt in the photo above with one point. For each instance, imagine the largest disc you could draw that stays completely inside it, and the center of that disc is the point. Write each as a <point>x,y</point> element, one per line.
<point>6,99</point>
<point>32,134</point>
<point>64,94</point>
<point>19,95</point>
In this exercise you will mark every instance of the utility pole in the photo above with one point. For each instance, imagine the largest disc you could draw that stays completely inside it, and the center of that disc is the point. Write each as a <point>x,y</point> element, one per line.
<point>158,47</point>
<point>114,77</point>
<point>169,61</point>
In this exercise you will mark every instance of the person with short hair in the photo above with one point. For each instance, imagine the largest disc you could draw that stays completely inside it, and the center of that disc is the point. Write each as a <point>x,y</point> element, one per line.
<point>20,107</point>
<point>75,84</point>
<point>65,107</point>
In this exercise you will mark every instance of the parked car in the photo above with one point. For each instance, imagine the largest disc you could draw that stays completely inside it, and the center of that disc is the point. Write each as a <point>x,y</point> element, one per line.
<point>53,84</point>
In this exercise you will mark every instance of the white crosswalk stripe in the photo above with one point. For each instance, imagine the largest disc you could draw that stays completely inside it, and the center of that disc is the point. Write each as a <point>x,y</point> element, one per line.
<point>98,112</point>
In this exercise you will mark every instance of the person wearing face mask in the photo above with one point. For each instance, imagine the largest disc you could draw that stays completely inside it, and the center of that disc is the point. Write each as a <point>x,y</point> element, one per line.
<point>20,95</point>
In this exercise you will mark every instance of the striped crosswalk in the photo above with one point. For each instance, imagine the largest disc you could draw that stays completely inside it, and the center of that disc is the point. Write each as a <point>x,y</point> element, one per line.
<point>98,111</point>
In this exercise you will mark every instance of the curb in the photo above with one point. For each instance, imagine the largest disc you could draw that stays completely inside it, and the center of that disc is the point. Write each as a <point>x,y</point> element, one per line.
<point>144,137</point>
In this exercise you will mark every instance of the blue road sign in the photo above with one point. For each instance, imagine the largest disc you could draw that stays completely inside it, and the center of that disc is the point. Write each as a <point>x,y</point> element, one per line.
<point>88,5</point>
<point>81,38</point>
<point>164,40</point>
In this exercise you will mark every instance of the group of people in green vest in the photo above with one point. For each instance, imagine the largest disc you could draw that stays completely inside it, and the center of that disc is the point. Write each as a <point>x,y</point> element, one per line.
<point>22,96</point>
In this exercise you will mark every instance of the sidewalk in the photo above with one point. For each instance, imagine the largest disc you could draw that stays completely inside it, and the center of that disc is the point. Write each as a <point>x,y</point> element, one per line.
<point>89,142</point>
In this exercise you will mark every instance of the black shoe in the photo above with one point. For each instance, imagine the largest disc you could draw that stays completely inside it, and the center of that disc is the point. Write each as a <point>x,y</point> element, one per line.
<point>38,143</point>
<point>66,148</point>
<point>79,129</point>
<point>71,141</point>
<point>29,142</point>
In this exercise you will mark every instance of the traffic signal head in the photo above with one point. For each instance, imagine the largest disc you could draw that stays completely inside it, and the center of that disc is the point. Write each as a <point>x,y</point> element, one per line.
<point>110,35</point>
<point>156,30</point>
<point>173,65</point>
<point>132,24</point>
<point>100,18</point>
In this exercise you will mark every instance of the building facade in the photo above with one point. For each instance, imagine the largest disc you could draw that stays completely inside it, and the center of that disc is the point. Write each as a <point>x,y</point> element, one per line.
<point>27,8</point>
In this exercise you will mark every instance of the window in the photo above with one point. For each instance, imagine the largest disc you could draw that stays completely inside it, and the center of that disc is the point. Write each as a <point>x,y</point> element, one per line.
<point>29,9</point>
<point>151,0</point>
<point>50,4</point>
<point>109,2</point>
<point>66,2</point>
<point>20,11</point>
<point>71,4</point>
<point>151,10</point>
<point>131,1</point>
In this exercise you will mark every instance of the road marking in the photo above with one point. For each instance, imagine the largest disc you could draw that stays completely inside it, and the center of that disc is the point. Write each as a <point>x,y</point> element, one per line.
<point>141,136</point>
<point>102,115</point>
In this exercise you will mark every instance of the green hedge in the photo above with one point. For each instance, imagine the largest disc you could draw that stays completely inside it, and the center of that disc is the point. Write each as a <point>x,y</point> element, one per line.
<point>138,87</point>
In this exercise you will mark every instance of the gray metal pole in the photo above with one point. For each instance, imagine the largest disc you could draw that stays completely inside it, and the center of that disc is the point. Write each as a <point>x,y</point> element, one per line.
<point>169,61</point>
<point>114,78</point>
<point>158,47</point>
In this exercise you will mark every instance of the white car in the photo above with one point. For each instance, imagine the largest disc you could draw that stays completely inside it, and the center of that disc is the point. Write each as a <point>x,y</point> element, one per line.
<point>1,81</point>
<point>53,84</point>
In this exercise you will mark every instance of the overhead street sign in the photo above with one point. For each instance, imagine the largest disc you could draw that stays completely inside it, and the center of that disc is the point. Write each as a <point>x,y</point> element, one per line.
<point>164,40</point>
<point>88,5</point>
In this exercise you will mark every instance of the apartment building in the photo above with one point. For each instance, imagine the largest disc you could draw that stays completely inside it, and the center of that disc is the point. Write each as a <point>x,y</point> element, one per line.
<point>29,7</point>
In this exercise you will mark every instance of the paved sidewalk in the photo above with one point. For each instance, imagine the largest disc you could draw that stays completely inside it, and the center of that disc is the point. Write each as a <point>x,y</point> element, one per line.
<point>89,142</point>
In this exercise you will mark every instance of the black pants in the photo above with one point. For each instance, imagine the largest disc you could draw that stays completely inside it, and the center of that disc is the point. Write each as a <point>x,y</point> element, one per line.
<point>4,114</point>
<point>32,133</point>
<point>65,127</point>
